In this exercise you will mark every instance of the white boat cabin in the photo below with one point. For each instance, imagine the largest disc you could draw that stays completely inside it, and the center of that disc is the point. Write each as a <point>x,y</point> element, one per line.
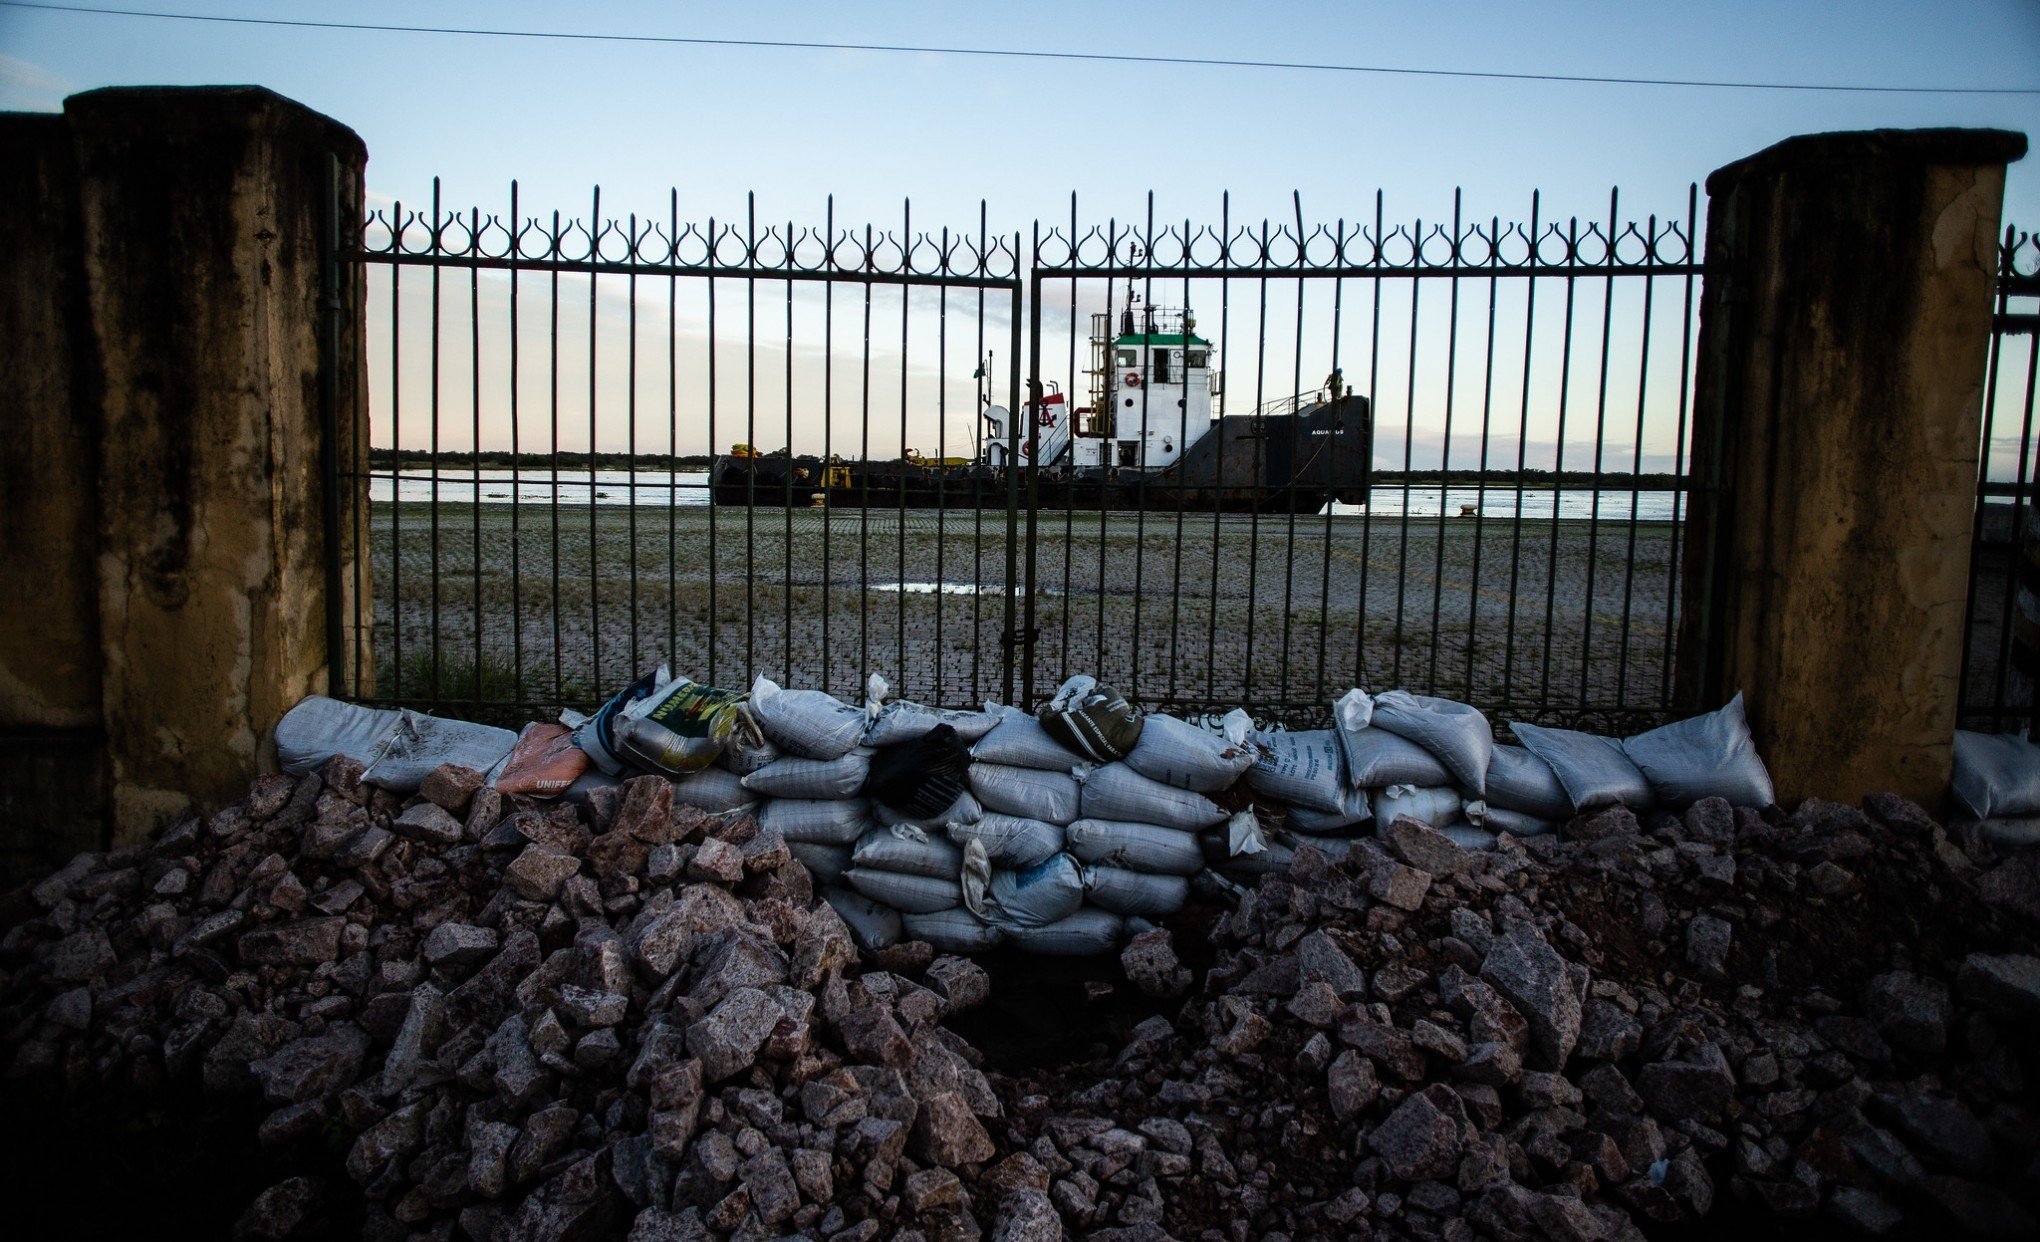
<point>1153,394</point>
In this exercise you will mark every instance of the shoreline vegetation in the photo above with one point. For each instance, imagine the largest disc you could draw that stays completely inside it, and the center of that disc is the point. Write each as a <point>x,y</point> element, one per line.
<point>423,459</point>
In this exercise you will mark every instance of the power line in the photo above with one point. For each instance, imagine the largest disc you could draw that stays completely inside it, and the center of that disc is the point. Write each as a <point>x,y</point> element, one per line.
<point>1025,54</point>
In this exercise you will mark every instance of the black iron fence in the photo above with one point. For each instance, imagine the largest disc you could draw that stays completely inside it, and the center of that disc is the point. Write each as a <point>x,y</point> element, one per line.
<point>1994,696</point>
<point>753,448</point>
<point>1516,539</point>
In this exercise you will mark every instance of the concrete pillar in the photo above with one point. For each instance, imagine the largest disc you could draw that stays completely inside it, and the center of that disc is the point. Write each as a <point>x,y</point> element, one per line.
<point>51,745</point>
<point>169,586</point>
<point>1843,336</point>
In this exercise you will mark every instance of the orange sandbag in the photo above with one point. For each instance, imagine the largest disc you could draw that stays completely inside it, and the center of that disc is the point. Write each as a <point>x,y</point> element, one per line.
<point>543,763</point>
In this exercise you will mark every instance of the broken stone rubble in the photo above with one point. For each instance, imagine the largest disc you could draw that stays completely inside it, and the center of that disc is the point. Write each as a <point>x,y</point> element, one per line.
<point>636,1019</point>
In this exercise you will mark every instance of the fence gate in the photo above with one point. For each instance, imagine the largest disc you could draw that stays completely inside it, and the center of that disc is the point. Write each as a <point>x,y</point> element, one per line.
<point>550,396</point>
<point>1463,446</point>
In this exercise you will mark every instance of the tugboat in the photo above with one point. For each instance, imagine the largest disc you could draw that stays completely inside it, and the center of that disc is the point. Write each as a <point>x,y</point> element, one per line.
<point>1154,437</point>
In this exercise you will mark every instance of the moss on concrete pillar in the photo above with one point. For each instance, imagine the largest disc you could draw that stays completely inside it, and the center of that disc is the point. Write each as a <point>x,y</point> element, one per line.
<point>1843,337</point>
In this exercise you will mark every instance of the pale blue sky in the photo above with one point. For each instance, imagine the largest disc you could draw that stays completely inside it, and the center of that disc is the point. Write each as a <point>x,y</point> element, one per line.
<point>872,128</point>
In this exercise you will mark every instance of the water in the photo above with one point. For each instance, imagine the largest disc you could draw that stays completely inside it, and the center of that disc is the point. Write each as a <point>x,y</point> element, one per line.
<point>687,489</point>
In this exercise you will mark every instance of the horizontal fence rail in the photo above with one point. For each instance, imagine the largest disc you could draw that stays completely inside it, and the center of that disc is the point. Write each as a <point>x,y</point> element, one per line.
<point>743,448</point>
<point>1994,696</point>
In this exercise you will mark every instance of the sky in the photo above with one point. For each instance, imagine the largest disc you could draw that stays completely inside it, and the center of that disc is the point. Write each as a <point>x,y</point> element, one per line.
<point>874,129</point>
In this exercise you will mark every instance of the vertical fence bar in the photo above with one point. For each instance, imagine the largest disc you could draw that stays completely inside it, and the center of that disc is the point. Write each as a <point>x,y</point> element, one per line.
<point>1016,402</point>
<point>475,443</point>
<point>516,468</point>
<point>1679,453</point>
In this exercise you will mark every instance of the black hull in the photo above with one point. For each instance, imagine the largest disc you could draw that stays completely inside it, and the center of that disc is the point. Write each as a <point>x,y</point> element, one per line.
<point>1277,464</point>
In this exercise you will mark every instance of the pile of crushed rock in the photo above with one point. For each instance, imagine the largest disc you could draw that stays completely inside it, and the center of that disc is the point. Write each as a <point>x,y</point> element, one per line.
<point>634,1018</point>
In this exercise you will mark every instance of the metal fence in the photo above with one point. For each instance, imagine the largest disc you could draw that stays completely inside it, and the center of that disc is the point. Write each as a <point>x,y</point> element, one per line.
<point>1529,386</point>
<point>1994,697</point>
<point>547,396</point>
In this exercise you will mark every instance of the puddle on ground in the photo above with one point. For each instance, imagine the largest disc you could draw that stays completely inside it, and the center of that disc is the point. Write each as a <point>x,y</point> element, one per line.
<point>944,588</point>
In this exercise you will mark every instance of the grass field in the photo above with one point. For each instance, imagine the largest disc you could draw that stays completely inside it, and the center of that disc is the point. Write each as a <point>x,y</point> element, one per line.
<point>561,606</point>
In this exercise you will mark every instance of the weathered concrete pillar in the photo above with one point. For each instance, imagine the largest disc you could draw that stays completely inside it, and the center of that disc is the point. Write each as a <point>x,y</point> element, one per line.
<point>203,216</point>
<point>1843,335</point>
<point>168,322</point>
<point>51,745</point>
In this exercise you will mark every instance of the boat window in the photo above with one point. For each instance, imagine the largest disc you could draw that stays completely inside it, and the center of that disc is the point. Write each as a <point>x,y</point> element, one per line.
<point>1129,452</point>
<point>1162,366</point>
<point>1197,358</point>
<point>1126,357</point>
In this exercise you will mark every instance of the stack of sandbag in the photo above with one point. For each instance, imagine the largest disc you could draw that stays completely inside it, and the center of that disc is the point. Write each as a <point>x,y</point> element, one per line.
<point>1027,777</point>
<point>855,791</point>
<point>1150,822</point>
<point>1418,757</point>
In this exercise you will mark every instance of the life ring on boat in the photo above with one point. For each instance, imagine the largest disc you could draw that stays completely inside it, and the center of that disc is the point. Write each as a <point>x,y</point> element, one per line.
<point>1026,449</point>
<point>1133,379</point>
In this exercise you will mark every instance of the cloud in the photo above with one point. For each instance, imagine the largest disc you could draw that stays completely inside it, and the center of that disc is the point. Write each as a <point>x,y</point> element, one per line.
<point>31,88</point>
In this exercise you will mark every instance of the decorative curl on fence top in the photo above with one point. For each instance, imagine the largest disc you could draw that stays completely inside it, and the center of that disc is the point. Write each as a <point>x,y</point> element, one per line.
<point>2019,254</point>
<point>659,246</point>
<point>1344,245</point>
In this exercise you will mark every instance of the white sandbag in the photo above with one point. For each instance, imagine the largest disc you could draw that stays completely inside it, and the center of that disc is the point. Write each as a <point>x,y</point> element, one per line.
<point>880,850</point>
<point>1135,892</point>
<point>397,749</point>
<point>746,755</point>
<point>1039,895</point>
<point>1176,752</point>
<point>826,863</point>
<point>919,894</point>
<point>1468,837</point>
<point>1306,768</point>
<point>1376,758</point>
<point>962,811</point>
<point>319,728</point>
<point>1709,756</point>
<point>953,931</point>
<point>1318,823</point>
<point>1593,769</point>
<point>418,744</point>
<point>824,822</point>
<point>1516,823</point>
<point>873,924</point>
<point>1457,733</point>
<point>1018,740</point>
<point>1030,793</point>
<point>1997,775</point>
<point>1137,847</point>
<point>1010,841</point>
<point>713,789</point>
<point>1519,781</point>
<point>1115,791</point>
<point>1086,932</point>
<point>902,721</point>
<point>1434,807</point>
<point>807,723</point>
<point>793,777</point>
